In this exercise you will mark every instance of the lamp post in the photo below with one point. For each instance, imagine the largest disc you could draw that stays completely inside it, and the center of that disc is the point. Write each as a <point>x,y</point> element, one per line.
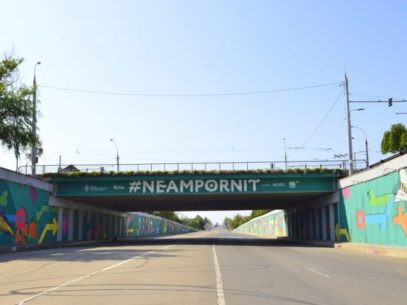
<point>34,123</point>
<point>366,145</point>
<point>117,154</point>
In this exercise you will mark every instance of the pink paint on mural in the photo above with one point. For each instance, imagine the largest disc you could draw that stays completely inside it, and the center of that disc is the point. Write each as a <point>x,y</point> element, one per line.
<point>33,194</point>
<point>346,192</point>
<point>65,225</point>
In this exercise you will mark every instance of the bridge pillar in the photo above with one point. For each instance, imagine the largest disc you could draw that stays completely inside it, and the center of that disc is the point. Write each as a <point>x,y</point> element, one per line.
<point>89,220</point>
<point>332,222</point>
<point>317,224</point>
<point>80,225</point>
<point>60,224</point>
<point>324,223</point>
<point>115,226</point>
<point>290,225</point>
<point>310,224</point>
<point>70,224</point>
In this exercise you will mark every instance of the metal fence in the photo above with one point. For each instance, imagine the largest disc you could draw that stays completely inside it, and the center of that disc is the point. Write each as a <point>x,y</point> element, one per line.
<point>193,166</point>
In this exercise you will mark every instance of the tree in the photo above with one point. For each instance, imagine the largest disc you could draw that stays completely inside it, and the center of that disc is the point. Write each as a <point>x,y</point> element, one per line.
<point>16,109</point>
<point>257,213</point>
<point>167,215</point>
<point>395,139</point>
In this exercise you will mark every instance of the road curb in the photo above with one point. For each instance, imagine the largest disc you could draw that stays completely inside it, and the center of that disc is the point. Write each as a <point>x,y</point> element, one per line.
<point>371,249</point>
<point>22,248</point>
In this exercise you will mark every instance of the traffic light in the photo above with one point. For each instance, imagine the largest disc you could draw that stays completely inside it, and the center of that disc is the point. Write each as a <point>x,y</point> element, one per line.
<point>390,102</point>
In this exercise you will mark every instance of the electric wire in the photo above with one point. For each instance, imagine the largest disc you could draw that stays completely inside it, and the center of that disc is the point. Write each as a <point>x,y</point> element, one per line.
<point>319,124</point>
<point>189,95</point>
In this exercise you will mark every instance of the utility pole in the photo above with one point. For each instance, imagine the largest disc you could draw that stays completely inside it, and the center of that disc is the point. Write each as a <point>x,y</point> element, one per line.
<point>34,124</point>
<point>349,127</point>
<point>390,102</point>
<point>285,155</point>
<point>117,155</point>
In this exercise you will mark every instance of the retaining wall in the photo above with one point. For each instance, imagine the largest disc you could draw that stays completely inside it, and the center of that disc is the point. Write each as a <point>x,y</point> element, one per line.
<point>270,225</point>
<point>141,224</point>
<point>373,205</point>
<point>31,215</point>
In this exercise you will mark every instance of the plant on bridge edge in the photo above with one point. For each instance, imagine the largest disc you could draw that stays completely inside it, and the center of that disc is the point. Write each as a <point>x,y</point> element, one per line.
<point>305,171</point>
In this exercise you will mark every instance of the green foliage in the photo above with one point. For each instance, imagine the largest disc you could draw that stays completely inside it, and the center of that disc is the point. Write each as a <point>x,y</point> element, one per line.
<point>167,215</point>
<point>16,109</point>
<point>395,139</point>
<point>238,220</point>
<point>304,171</point>
<point>197,222</point>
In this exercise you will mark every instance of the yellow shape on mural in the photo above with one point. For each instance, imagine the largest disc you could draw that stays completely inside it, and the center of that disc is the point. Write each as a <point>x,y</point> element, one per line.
<point>3,198</point>
<point>339,232</point>
<point>378,200</point>
<point>5,227</point>
<point>49,227</point>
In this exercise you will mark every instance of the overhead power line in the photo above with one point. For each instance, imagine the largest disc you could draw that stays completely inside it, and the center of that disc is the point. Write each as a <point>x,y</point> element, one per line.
<point>319,124</point>
<point>187,94</point>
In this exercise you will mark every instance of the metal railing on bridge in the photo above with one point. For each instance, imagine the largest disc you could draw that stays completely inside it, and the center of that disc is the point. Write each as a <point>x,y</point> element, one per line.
<point>188,166</point>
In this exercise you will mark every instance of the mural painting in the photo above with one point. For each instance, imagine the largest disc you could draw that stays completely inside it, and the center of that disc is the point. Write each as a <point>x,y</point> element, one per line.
<point>25,217</point>
<point>272,225</point>
<point>376,211</point>
<point>140,225</point>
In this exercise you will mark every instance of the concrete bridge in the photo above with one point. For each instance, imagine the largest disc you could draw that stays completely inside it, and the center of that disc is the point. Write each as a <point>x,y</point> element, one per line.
<point>196,191</point>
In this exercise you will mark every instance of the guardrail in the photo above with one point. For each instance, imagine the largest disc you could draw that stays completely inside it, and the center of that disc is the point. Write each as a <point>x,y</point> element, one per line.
<point>189,166</point>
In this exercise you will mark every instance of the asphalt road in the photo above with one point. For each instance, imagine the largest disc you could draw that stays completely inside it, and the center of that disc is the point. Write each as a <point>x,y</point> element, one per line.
<point>201,268</point>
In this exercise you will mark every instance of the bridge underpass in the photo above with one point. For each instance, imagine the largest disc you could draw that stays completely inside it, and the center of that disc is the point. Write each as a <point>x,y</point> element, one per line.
<point>308,198</point>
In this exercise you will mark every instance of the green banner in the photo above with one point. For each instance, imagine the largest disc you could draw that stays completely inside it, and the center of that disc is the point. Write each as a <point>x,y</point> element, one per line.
<point>207,184</point>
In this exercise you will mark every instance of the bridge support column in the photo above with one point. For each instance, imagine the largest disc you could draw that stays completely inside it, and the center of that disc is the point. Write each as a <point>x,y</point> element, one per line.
<point>80,226</point>
<point>71,214</point>
<point>332,222</point>
<point>317,224</point>
<point>60,224</point>
<point>290,225</point>
<point>115,226</point>
<point>310,225</point>
<point>324,223</point>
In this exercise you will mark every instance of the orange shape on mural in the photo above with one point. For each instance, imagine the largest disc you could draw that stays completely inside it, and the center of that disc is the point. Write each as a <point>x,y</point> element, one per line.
<point>401,219</point>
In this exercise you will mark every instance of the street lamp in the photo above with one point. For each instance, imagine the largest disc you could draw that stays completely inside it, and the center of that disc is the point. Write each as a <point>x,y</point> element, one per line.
<point>34,123</point>
<point>366,145</point>
<point>117,154</point>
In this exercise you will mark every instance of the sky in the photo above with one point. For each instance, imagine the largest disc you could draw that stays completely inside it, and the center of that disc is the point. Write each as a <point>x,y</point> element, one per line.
<point>177,71</point>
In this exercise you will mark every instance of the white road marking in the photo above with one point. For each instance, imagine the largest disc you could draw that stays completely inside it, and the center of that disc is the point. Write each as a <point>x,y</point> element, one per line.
<point>319,273</point>
<point>89,275</point>
<point>275,256</point>
<point>219,284</point>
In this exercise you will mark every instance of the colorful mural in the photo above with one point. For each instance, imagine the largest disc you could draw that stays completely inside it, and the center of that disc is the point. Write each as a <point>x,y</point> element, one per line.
<point>271,225</point>
<point>25,217</point>
<point>140,225</point>
<point>375,211</point>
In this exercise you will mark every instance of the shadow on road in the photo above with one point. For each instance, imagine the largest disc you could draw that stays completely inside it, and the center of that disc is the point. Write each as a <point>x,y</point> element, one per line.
<point>224,242</point>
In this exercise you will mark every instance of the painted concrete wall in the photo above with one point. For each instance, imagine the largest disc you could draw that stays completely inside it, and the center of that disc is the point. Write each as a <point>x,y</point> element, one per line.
<point>373,205</point>
<point>25,216</point>
<point>141,224</point>
<point>30,215</point>
<point>271,225</point>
